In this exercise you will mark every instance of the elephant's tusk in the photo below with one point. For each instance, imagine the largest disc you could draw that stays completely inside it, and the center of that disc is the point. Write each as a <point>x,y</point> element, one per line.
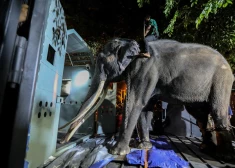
<point>92,110</point>
<point>83,112</point>
<point>71,133</point>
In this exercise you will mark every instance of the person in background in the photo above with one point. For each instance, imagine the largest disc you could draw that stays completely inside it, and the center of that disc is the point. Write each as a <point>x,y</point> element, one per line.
<point>23,13</point>
<point>230,112</point>
<point>24,23</point>
<point>150,33</point>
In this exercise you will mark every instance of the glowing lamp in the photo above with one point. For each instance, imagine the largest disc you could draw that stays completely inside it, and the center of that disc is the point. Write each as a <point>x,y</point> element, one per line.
<point>81,78</point>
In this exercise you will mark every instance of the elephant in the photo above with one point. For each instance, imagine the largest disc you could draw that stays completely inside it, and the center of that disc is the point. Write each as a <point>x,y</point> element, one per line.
<point>194,75</point>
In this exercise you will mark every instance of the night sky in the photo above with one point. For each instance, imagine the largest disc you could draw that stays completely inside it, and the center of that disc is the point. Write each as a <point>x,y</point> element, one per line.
<point>110,18</point>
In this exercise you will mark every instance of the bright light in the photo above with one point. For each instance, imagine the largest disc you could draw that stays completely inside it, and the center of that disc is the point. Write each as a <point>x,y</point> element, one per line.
<point>81,78</point>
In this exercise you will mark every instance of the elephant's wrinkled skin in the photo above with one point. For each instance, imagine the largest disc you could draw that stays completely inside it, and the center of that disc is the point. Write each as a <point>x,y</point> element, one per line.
<point>179,72</point>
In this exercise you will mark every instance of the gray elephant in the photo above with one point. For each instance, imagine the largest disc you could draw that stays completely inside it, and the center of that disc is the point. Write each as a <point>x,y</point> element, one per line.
<point>193,75</point>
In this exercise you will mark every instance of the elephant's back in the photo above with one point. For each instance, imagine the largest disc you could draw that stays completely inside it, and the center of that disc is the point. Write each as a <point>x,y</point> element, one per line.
<point>187,70</point>
<point>187,56</point>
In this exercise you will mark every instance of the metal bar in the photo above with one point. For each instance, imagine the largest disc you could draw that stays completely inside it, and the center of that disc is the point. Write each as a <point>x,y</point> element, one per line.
<point>80,54</point>
<point>211,156</point>
<point>80,61</point>
<point>70,59</point>
<point>188,121</point>
<point>179,151</point>
<point>209,166</point>
<point>191,127</point>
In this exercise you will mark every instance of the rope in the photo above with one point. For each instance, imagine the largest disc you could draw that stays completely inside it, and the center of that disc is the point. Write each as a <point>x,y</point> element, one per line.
<point>146,159</point>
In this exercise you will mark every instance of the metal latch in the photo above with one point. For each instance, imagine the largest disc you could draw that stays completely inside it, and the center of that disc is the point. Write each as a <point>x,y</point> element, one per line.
<point>60,99</point>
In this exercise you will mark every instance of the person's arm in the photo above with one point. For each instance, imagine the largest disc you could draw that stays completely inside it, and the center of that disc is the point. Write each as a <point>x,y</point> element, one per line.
<point>147,30</point>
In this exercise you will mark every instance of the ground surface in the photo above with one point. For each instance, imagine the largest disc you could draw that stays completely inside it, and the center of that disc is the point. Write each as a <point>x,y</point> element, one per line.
<point>186,148</point>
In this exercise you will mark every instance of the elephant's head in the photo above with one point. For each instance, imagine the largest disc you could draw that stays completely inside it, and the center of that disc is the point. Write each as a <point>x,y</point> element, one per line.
<point>115,57</point>
<point>111,62</point>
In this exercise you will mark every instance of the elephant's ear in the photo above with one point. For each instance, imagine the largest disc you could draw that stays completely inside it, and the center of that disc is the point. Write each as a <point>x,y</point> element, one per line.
<point>127,53</point>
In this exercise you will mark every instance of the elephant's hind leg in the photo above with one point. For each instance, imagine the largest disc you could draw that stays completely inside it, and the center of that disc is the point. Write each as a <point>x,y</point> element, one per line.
<point>201,112</point>
<point>220,99</point>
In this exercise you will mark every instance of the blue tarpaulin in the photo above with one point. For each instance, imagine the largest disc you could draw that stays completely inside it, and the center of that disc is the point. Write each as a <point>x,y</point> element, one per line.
<point>160,155</point>
<point>160,143</point>
<point>165,159</point>
<point>136,157</point>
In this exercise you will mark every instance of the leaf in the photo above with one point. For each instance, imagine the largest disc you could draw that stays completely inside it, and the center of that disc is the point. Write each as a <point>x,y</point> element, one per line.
<point>229,2</point>
<point>225,5</point>
<point>169,30</point>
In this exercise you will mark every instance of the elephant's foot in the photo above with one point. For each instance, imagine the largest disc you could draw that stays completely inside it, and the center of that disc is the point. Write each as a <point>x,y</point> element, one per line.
<point>224,149</point>
<point>120,149</point>
<point>145,145</point>
<point>207,147</point>
<point>208,144</point>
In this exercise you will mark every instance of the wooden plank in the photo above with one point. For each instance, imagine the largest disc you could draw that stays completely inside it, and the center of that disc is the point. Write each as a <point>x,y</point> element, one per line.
<point>197,141</point>
<point>197,144</point>
<point>191,158</point>
<point>208,159</point>
<point>120,158</point>
<point>113,165</point>
<point>176,150</point>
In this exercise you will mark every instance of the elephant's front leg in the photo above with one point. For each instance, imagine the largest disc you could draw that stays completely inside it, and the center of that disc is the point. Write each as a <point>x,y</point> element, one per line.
<point>129,122</point>
<point>143,127</point>
<point>137,97</point>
